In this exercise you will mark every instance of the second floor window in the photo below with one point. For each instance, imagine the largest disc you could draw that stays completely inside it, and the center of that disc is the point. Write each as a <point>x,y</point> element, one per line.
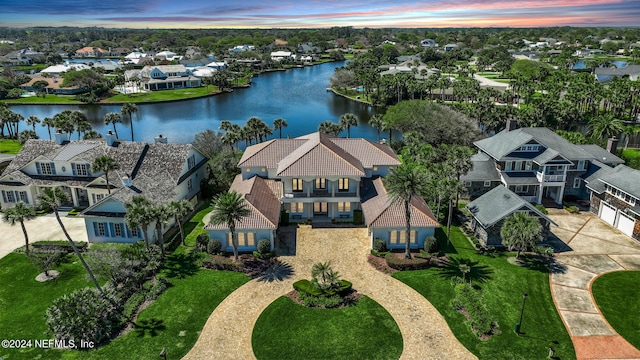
<point>343,184</point>
<point>190,185</point>
<point>46,168</point>
<point>82,169</point>
<point>321,183</point>
<point>297,184</point>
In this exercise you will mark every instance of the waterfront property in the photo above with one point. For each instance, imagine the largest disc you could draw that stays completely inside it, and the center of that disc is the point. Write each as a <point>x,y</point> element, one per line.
<point>160,171</point>
<point>163,77</point>
<point>319,178</point>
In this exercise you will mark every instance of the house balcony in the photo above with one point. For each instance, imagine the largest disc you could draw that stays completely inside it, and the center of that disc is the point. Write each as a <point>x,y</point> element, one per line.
<point>345,194</point>
<point>551,178</point>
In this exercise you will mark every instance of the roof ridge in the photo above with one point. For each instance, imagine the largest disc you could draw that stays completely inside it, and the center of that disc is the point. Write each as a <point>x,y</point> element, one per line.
<point>342,157</point>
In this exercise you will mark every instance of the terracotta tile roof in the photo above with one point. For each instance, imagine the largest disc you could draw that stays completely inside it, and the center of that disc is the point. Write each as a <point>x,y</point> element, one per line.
<point>259,197</point>
<point>269,153</point>
<point>369,153</point>
<point>379,211</point>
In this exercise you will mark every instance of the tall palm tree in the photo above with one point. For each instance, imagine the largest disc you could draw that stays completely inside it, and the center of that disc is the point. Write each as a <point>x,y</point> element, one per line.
<point>129,109</point>
<point>605,126</point>
<point>139,214</point>
<point>180,210</point>
<point>33,120</point>
<point>161,214</point>
<point>83,127</point>
<point>329,127</point>
<point>376,123</point>
<point>53,197</point>
<point>228,209</point>
<point>629,131</point>
<point>520,231</point>
<point>20,212</point>
<point>78,119</point>
<point>403,183</point>
<point>112,118</point>
<point>278,124</point>
<point>459,158</point>
<point>347,121</point>
<point>105,164</point>
<point>225,125</point>
<point>48,122</point>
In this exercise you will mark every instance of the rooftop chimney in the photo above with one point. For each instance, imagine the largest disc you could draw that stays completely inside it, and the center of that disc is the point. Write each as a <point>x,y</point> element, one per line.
<point>126,181</point>
<point>612,145</point>
<point>111,138</point>
<point>512,124</point>
<point>62,138</point>
<point>160,139</point>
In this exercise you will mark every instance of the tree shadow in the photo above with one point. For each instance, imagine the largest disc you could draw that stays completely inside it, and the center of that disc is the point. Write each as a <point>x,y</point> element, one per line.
<point>541,263</point>
<point>180,265</point>
<point>149,327</point>
<point>444,244</point>
<point>278,271</point>
<point>466,268</point>
<point>286,240</point>
<point>557,244</point>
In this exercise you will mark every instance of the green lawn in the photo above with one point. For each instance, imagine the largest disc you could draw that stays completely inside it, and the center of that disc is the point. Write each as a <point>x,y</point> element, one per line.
<point>502,285</point>
<point>163,95</point>
<point>617,297</point>
<point>8,146</point>
<point>173,321</point>
<point>286,330</point>
<point>48,99</point>
<point>631,158</point>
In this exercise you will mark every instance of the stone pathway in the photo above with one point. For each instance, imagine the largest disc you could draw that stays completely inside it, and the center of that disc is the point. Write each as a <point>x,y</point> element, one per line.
<point>591,248</point>
<point>426,335</point>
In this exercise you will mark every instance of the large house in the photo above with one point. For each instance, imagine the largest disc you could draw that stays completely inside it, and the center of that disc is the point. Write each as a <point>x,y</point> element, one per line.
<point>320,178</point>
<point>160,171</point>
<point>163,77</point>
<point>89,51</point>
<point>535,163</point>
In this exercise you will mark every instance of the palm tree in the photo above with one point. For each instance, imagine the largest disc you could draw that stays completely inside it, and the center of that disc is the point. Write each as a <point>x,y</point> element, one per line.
<point>20,213</point>
<point>629,131</point>
<point>605,126</point>
<point>278,124</point>
<point>83,127</point>
<point>112,118</point>
<point>161,214</point>
<point>91,134</point>
<point>347,121</point>
<point>105,164</point>
<point>225,125</point>
<point>53,197</point>
<point>405,182</point>
<point>228,209</point>
<point>33,120</point>
<point>376,123</point>
<point>180,209</point>
<point>48,122</point>
<point>520,231</point>
<point>78,119</point>
<point>139,214</point>
<point>129,109</point>
<point>329,127</point>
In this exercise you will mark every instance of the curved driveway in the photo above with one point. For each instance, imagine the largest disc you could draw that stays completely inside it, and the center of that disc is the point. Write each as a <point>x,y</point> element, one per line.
<point>425,333</point>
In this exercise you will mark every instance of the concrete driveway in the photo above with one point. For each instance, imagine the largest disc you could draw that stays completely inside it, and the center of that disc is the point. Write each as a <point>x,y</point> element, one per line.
<point>587,247</point>
<point>41,228</point>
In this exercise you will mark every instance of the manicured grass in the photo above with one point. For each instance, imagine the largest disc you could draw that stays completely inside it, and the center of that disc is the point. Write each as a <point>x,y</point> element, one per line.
<point>617,297</point>
<point>631,158</point>
<point>162,95</point>
<point>8,146</point>
<point>48,99</point>
<point>502,286</point>
<point>286,330</point>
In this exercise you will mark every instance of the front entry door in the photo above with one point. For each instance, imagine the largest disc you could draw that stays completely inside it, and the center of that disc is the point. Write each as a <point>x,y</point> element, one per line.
<point>320,208</point>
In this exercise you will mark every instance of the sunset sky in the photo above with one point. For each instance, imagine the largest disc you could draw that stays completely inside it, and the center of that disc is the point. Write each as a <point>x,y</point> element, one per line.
<point>318,13</point>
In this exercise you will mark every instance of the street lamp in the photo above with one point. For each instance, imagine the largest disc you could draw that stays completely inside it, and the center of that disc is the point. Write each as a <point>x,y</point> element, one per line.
<point>519,323</point>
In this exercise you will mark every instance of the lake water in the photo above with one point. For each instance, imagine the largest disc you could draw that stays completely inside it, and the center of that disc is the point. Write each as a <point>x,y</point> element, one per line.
<point>297,95</point>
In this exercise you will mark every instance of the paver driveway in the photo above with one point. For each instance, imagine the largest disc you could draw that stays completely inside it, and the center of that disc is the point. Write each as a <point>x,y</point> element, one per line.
<point>589,248</point>
<point>425,333</point>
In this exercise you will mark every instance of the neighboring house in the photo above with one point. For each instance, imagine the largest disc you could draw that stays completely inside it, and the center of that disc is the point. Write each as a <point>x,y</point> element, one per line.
<point>242,48</point>
<point>323,179</point>
<point>491,209</point>
<point>428,43</point>
<point>217,65</point>
<point>281,55</point>
<point>407,67</point>
<point>52,87</point>
<point>163,77</point>
<point>161,172</point>
<point>169,55</point>
<point>57,70</point>
<point>308,49</point>
<point>615,198</point>
<point>89,51</point>
<point>193,53</point>
<point>631,71</point>
<point>450,47</point>
<point>119,51</point>
<point>538,164</point>
<point>108,66</point>
<point>262,198</point>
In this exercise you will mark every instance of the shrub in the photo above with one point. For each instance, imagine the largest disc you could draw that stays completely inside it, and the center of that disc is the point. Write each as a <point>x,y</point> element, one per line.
<point>214,246</point>
<point>400,263</point>
<point>379,245</point>
<point>265,256</point>
<point>264,246</point>
<point>431,245</point>
<point>542,209</point>
<point>357,217</point>
<point>379,253</point>
<point>466,297</point>
<point>572,209</point>
<point>85,315</point>
<point>321,301</point>
<point>202,241</point>
<point>307,287</point>
<point>217,262</point>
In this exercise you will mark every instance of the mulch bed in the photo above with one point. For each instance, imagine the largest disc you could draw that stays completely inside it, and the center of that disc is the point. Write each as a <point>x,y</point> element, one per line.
<point>380,264</point>
<point>486,336</point>
<point>350,299</point>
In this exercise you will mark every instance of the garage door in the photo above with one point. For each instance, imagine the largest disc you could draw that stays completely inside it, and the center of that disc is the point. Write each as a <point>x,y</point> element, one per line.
<point>607,213</point>
<point>625,224</point>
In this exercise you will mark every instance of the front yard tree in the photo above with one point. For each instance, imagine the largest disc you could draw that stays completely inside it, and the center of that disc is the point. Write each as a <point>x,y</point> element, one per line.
<point>105,164</point>
<point>405,182</point>
<point>520,231</point>
<point>53,197</point>
<point>161,214</point>
<point>180,210</point>
<point>139,214</point>
<point>19,214</point>
<point>228,209</point>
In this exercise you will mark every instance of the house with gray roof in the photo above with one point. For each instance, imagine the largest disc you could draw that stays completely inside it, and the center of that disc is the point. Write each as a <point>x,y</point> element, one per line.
<point>538,164</point>
<point>163,77</point>
<point>631,71</point>
<point>320,178</point>
<point>160,171</point>
<point>615,197</point>
<point>491,209</point>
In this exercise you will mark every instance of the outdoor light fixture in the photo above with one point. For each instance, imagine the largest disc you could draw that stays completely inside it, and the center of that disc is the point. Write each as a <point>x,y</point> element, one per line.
<point>519,323</point>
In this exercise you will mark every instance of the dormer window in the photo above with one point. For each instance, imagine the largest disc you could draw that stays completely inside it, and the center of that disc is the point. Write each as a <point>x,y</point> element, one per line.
<point>191,162</point>
<point>46,168</point>
<point>81,169</point>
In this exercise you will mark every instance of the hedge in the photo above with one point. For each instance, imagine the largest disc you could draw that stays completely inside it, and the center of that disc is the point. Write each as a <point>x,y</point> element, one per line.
<point>418,262</point>
<point>307,287</point>
<point>61,246</point>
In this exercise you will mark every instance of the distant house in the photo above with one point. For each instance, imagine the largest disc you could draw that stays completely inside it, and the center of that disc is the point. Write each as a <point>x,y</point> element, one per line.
<point>169,55</point>
<point>119,51</point>
<point>428,43</point>
<point>217,65</point>
<point>605,74</point>
<point>136,57</point>
<point>450,47</point>
<point>89,51</point>
<point>308,49</point>
<point>242,48</point>
<point>52,87</point>
<point>57,70</point>
<point>491,209</point>
<point>163,77</point>
<point>281,55</point>
<point>193,53</point>
<point>407,67</point>
<point>161,172</point>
